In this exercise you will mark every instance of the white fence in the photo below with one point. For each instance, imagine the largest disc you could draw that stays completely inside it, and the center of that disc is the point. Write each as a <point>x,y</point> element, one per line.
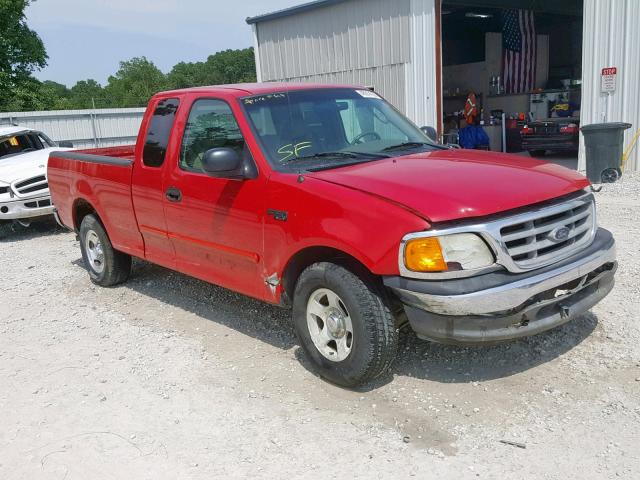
<point>84,128</point>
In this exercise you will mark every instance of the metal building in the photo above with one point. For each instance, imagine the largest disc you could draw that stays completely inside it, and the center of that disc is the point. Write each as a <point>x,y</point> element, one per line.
<point>388,45</point>
<point>611,38</point>
<point>395,47</point>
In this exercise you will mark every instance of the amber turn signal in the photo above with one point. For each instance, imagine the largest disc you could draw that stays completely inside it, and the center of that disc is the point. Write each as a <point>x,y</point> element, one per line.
<point>424,255</point>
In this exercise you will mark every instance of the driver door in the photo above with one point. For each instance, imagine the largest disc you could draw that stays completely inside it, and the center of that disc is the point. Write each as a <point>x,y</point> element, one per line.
<point>215,224</point>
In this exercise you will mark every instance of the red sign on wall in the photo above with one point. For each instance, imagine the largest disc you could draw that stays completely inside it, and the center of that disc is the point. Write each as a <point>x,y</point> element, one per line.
<point>608,79</point>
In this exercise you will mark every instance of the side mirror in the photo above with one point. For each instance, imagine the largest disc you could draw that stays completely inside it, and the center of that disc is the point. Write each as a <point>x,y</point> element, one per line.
<point>431,133</point>
<point>65,144</point>
<point>223,163</point>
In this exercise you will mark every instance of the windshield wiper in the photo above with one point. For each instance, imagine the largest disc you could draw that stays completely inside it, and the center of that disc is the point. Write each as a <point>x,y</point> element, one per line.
<point>406,145</point>
<point>329,166</point>
<point>338,155</point>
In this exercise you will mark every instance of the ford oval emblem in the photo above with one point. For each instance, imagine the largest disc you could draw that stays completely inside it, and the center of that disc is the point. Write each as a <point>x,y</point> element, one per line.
<point>559,234</point>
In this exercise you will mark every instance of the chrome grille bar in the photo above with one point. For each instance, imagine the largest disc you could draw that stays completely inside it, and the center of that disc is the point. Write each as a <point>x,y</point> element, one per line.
<point>526,231</point>
<point>550,235</point>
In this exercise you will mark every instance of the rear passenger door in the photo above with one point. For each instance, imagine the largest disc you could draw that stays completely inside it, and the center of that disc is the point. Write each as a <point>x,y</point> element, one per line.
<point>215,224</point>
<point>153,148</point>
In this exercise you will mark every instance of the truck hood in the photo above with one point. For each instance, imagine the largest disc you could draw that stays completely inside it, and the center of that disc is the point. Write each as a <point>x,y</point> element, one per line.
<point>455,184</point>
<point>25,165</point>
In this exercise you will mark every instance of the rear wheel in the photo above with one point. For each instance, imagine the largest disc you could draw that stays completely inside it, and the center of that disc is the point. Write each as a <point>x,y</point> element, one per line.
<point>537,153</point>
<point>106,266</point>
<point>344,325</point>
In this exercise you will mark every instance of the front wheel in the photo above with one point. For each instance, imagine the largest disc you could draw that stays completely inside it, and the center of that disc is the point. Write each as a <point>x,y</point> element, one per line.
<point>343,325</point>
<point>106,265</point>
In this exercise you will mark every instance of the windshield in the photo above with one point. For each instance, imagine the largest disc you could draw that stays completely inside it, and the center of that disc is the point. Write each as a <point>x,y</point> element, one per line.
<point>23,142</point>
<point>327,128</point>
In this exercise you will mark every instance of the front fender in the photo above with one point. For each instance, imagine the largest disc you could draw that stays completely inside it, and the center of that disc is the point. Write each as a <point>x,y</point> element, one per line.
<point>320,214</point>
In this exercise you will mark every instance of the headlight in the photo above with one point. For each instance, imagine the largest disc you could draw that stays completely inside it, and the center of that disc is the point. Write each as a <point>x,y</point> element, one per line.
<point>460,251</point>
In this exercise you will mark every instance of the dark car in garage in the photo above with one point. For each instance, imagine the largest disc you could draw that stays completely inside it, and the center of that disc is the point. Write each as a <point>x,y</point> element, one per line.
<point>551,135</point>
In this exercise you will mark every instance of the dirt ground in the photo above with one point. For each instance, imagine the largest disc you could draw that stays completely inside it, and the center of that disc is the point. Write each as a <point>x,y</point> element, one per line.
<point>170,377</point>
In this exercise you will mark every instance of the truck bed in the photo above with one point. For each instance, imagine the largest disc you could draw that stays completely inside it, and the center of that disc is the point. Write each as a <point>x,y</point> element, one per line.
<point>126,152</point>
<point>100,177</point>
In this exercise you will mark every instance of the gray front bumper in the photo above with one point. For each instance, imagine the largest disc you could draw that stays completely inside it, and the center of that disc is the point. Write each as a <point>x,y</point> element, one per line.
<point>502,306</point>
<point>26,208</point>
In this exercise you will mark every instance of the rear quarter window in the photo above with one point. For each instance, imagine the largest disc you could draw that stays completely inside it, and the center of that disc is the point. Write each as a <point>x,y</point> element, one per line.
<point>155,144</point>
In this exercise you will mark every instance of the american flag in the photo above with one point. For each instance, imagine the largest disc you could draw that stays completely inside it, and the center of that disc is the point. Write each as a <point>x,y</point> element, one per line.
<point>518,51</point>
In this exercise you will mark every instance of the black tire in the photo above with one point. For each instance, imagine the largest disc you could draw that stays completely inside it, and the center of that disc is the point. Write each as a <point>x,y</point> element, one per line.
<point>374,341</point>
<point>115,266</point>
<point>537,153</point>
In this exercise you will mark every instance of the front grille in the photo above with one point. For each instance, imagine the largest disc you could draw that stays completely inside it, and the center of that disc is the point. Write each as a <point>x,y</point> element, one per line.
<point>31,185</point>
<point>4,190</point>
<point>550,234</point>
<point>38,204</point>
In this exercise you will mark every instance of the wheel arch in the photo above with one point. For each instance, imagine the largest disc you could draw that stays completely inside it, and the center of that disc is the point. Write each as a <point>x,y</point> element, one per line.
<point>309,255</point>
<point>82,208</point>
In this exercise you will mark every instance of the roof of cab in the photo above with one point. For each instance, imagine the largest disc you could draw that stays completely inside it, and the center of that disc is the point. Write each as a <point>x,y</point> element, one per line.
<point>244,89</point>
<point>6,130</point>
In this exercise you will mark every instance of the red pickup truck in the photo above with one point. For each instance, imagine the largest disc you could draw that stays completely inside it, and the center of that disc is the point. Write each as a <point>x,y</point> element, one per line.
<point>326,199</point>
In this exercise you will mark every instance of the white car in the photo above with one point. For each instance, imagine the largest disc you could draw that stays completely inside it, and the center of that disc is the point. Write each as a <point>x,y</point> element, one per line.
<point>24,191</point>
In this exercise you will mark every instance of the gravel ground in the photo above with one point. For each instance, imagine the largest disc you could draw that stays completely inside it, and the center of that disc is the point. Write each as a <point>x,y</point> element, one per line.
<point>170,377</point>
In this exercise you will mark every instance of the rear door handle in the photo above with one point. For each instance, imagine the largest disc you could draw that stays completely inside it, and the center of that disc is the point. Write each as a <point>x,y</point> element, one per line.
<point>173,194</point>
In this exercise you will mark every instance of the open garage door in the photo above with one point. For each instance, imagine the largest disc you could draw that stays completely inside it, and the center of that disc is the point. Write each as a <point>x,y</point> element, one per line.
<point>511,76</point>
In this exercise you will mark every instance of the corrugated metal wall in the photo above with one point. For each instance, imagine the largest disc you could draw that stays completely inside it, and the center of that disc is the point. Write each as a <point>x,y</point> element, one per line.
<point>359,41</point>
<point>388,80</point>
<point>611,38</point>
<point>85,128</point>
<point>421,101</point>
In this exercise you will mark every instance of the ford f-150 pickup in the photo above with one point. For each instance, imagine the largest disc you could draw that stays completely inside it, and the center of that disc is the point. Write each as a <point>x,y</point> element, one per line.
<point>326,199</point>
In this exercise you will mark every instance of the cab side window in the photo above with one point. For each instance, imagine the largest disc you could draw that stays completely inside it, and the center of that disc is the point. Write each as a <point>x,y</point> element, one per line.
<point>211,124</point>
<point>155,145</point>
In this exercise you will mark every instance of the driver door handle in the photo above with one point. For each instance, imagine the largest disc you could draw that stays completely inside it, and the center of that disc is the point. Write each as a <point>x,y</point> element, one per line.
<point>173,194</point>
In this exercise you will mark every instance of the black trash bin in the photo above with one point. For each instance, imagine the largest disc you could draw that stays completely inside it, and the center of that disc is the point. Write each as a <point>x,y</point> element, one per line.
<point>603,148</point>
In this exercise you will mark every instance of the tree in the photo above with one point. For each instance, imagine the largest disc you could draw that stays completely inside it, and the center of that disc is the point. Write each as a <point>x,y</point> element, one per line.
<point>32,94</point>
<point>21,53</point>
<point>231,66</point>
<point>134,83</point>
<point>54,96</point>
<point>186,74</point>
<point>87,93</point>
<point>228,66</point>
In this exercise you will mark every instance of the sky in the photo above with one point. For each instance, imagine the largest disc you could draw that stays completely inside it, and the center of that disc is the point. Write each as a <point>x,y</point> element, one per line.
<point>88,38</point>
